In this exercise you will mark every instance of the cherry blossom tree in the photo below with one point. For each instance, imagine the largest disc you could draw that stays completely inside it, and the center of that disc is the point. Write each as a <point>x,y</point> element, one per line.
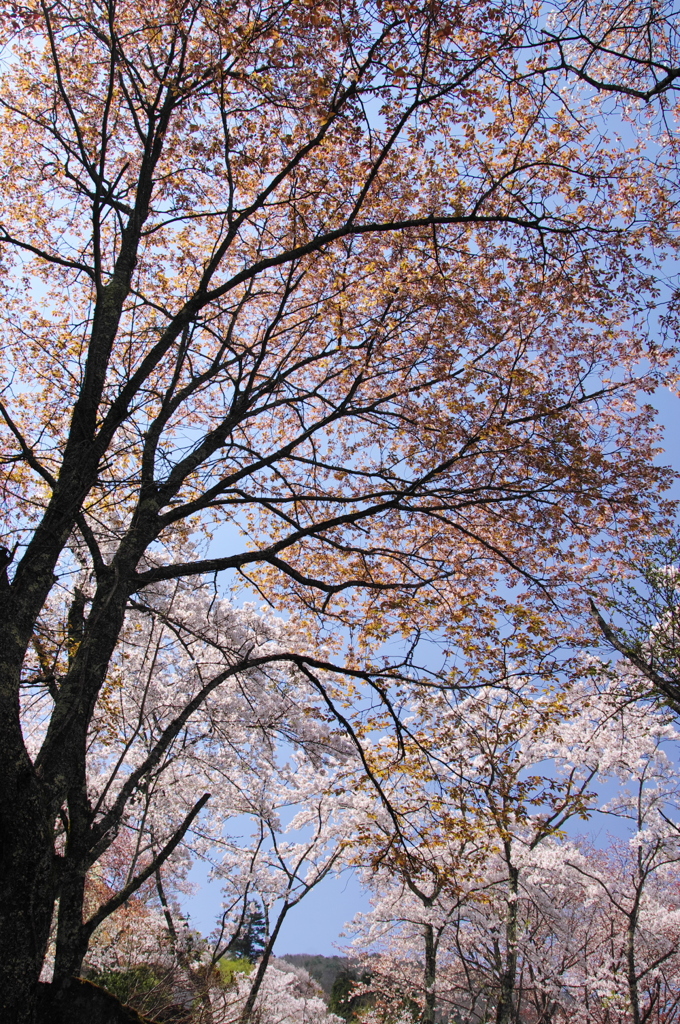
<point>631,890</point>
<point>346,288</point>
<point>457,861</point>
<point>198,704</point>
<point>285,860</point>
<point>527,925</point>
<point>287,996</point>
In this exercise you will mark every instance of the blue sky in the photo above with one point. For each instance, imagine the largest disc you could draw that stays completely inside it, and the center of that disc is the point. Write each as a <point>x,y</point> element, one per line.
<point>314,926</point>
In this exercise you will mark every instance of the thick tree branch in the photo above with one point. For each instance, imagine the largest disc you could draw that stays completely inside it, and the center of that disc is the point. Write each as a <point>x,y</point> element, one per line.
<point>133,885</point>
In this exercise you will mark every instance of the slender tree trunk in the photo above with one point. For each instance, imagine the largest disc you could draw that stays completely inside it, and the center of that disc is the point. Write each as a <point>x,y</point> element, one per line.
<point>505,1011</point>
<point>71,942</point>
<point>261,969</point>
<point>430,976</point>
<point>633,994</point>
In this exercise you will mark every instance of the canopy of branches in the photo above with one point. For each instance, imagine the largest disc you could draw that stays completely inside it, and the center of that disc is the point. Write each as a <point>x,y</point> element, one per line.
<point>353,304</point>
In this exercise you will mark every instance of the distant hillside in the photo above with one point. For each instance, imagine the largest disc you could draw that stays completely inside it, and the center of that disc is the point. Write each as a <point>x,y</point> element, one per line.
<point>323,969</point>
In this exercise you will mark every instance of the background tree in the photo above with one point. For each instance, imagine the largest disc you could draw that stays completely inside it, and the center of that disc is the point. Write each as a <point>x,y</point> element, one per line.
<point>338,278</point>
<point>502,774</point>
<point>277,869</point>
<point>249,941</point>
<point>345,999</point>
<point>641,618</point>
<point>288,996</point>
<point>147,767</point>
<point>631,889</point>
<point>516,935</point>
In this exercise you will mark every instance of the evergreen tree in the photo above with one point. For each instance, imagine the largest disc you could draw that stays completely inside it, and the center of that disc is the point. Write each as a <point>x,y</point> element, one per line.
<point>250,939</point>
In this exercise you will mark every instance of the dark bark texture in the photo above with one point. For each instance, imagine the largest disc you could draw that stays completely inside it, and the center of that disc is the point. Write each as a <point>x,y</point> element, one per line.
<point>76,1001</point>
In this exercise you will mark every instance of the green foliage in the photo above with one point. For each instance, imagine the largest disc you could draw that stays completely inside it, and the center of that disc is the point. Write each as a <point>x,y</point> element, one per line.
<point>148,989</point>
<point>129,985</point>
<point>228,968</point>
<point>343,1000</point>
<point>251,938</point>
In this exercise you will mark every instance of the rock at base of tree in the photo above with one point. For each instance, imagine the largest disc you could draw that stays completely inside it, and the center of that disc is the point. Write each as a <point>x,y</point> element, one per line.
<point>77,1001</point>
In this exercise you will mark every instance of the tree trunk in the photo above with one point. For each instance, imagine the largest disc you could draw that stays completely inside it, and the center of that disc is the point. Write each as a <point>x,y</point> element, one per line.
<point>27,892</point>
<point>631,967</point>
<point>430,975</point>
<point>249,1006</point>
<point>71,940</point>
<point>32,798</point>
<point>75,1001</point>
<point>505,1011</point>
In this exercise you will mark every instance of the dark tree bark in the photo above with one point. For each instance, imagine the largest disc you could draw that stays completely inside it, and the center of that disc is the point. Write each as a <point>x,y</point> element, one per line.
<point>506,1010</point>
<point>76,1001</point>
